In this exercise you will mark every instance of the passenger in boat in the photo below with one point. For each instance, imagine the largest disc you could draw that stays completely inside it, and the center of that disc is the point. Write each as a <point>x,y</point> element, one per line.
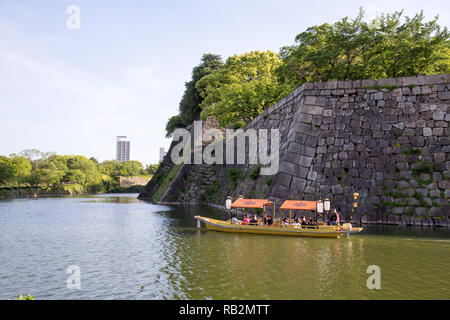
<point>334,219</point>
<point>309,221</point>
<point>246,220</point>
<point>253,221</point>
<point>296,223</point>
<point>285,222</point>
<point>269,220</point>
<point>235,220</point>
<point>303,221</point>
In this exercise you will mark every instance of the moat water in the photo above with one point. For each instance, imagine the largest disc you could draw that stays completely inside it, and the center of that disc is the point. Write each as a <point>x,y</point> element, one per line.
<point>130,249</point>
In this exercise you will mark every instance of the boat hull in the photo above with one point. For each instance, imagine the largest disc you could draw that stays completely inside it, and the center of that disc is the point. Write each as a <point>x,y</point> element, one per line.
<point>304,231</point>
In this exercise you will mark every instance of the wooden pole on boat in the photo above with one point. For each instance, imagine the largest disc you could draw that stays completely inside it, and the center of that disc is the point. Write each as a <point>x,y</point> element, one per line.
<point>263,214</point>
<point>273,220</point>
<point>290,214</point>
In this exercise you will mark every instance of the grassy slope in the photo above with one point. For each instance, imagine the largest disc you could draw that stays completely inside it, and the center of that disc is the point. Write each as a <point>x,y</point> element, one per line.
<point>165,182</point>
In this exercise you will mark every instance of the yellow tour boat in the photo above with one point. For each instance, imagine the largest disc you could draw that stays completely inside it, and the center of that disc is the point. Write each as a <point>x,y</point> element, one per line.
<point>278,226</point>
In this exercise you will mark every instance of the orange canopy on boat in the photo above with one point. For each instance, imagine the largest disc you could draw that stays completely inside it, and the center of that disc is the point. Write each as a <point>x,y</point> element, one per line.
<point>251,203</point>
<point>299,205</point>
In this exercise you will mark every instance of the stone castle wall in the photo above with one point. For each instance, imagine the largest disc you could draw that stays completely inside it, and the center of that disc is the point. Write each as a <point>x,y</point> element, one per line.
<point>388,140</point>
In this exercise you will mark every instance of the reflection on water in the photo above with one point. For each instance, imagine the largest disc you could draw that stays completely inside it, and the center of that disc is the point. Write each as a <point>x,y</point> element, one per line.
<point>119,198</point>
<point>130,249</point>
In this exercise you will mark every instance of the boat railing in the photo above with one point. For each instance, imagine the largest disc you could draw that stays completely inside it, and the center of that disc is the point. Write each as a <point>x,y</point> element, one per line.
<point>277,224</point>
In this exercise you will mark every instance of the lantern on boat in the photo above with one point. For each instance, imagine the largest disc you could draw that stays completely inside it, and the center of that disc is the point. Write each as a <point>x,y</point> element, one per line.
<point>319,206</point>
<point>228,203</point>
<point>326,204</point>
<point>355,199</point>
<point>355,203</point>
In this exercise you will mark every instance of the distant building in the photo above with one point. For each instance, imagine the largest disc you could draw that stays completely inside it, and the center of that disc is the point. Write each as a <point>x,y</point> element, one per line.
<point>162,153</point>
<point>122,149</point>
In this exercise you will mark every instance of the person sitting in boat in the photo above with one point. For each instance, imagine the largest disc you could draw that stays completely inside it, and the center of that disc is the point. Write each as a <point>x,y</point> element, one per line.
<point>246,220</point>
<point>235,220</point>
<point>296,223</point>
<point>253,221</point>
<point>269,220</point>
<point>303,221</point>
<point>310,223</point>
<point>334,219</point>
<point>286,222</point>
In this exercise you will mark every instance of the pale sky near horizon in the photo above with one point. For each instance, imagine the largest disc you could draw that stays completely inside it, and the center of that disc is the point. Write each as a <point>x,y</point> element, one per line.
<point>123,72</point>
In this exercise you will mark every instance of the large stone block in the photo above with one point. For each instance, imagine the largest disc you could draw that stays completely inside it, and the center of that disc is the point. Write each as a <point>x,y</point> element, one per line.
<point>310,100</point>
<point>308,129</point>
<point>444,95</point>
<point>438,115</point>
<point>439,157</point>
<point>298,183</point>
<point>427,132</point>
<point>336,189</point>
<point>307,151</point>
<point>418,141</point>
<point>312,110</point>
<point>284,179</point>
<point>305,161</point>
<point>280,191</point>
<point>289,168</point>
<point>302,172</point>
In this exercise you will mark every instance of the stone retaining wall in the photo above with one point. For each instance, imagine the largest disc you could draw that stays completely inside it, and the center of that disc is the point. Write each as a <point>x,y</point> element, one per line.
<point>388,140</point>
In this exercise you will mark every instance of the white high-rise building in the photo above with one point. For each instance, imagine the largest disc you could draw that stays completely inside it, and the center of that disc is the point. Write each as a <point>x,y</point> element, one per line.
<point>122,149</point>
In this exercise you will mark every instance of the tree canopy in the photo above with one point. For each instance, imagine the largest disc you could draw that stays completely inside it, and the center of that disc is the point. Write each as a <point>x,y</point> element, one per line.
<point>189,108</point>
<point>50,169</point>
<point>242,88</point>
<point>385,47</point>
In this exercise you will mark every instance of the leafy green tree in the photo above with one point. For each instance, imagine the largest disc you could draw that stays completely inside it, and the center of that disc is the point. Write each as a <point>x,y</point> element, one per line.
<point>53,170</point>
<point>93,159</point>
<point>46,171</point>
<point>112,168</point>
<point>355,49</point>
<point>22,169</point>
<point>87,167</point>
<point>189,108</point>
<point>151,168</point>
<point>242,88</point>
<point>60,162</point>
<point>411,48</point>
<point>34,154</point>
<point>46,176</point>
<point>75,176</point>
<point>190,103</point>
<point>132,168</point>
<point>6,170</point>
<point>172,124</point>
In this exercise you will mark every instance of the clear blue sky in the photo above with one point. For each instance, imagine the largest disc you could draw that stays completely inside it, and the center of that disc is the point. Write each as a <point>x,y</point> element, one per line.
<point>123,72</point>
